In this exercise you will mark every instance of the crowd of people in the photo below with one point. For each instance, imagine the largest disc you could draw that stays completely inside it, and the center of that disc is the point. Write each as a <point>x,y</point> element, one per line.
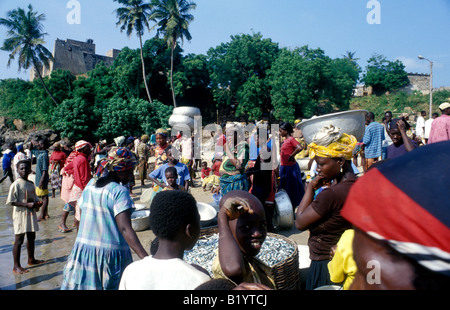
<point>386,213</point>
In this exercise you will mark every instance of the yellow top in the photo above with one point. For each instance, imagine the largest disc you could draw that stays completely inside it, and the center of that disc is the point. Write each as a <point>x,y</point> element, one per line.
<point>342,267</point>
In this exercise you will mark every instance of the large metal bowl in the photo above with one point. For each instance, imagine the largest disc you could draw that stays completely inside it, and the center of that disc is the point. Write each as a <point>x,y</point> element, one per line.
<point>187,111</point>
<point>140,220</point>
<point>208,214</point>
<point>284,212</point>
<point>350,122</point>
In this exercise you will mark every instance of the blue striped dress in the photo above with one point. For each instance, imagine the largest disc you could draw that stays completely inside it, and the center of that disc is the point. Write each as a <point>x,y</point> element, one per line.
<point>100,253</point>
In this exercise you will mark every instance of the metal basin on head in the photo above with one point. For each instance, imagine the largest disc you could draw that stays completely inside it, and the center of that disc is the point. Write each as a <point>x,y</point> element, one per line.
<point>350,122</point>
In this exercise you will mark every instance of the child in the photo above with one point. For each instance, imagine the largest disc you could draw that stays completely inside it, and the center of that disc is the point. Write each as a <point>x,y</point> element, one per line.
<point>22,195</point>
<point>171,179</point>
<point>215,176</point>
<point>242,231</point>
<point>175,221</point>
<point>206,178</point>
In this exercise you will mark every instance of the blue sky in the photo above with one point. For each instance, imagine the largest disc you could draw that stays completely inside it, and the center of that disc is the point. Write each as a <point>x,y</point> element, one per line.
<point>407,28</point>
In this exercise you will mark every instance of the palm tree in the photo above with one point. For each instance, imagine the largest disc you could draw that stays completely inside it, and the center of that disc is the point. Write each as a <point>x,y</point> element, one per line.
<point>173,21</point>
<point>135,16</point>
<point>350,56</point>
<point>25,40</point>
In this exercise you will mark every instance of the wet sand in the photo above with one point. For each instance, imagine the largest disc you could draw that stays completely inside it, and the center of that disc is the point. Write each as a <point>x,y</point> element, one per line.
<point>54,247</point>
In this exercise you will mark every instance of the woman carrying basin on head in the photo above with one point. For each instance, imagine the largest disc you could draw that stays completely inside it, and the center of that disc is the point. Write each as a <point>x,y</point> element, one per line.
<point>320,213</point>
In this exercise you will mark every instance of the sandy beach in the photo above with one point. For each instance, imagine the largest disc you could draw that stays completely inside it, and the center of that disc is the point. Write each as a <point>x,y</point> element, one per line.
<point>54,247</point>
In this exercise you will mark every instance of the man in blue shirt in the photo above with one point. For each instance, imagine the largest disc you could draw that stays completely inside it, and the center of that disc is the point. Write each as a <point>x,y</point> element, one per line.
<point>373,140</point>
<point>7,161</point>
<point>158,176</point>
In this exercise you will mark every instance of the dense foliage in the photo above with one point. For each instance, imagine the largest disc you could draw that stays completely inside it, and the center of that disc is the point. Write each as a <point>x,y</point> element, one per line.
<point>247,78</point>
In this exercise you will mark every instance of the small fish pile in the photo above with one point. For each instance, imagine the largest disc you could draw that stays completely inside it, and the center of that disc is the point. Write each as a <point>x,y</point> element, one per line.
<point>273,252</point>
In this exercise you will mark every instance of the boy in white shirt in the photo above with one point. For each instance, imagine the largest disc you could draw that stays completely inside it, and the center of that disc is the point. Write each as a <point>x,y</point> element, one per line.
<point>175,221</point>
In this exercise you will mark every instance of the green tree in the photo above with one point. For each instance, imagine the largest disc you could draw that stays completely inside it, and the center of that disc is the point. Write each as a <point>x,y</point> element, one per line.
<point>134,16</point>
<point>238,72</point>
<point>173,18</point>
<point>75,119</point>
<point>385,75</point>
<point>131,117</point>
<point>25,40</point>
<point>305,82</point>
<point>13,105</point>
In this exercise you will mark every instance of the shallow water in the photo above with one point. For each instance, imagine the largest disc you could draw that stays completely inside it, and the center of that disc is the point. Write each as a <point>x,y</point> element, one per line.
<point>50,245</point>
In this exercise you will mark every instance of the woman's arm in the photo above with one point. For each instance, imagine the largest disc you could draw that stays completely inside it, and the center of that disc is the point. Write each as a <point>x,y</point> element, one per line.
<point>306,215</point>
<point>123,221</point>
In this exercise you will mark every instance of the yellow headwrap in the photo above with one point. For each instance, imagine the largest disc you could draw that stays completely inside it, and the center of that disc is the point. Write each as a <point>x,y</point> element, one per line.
<point>162,131</point>
<point>343,147</point>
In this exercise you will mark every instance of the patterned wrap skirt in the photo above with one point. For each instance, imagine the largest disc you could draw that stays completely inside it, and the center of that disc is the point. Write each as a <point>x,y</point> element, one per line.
<point>95,268</point>
<point>230,183</point>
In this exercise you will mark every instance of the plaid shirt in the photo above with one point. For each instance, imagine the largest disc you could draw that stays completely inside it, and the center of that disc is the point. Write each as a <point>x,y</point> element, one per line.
<point>99,207</point>
<point>373,139</point>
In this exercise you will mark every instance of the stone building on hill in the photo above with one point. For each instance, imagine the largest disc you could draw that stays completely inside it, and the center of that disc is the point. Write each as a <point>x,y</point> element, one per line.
<point>77,57</point>
<point>417,82</point>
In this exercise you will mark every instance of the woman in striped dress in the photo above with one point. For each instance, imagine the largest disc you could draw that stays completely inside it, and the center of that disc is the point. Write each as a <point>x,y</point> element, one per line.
<point>102,248</point>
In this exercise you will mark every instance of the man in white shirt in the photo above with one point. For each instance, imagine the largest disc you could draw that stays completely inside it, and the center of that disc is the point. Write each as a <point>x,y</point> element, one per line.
<point>428,123</point>
<point>420,125</point>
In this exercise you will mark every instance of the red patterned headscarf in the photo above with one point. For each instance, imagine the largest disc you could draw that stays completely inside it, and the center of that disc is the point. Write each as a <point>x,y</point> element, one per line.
<point>407,207</point>
<point>118,159</point>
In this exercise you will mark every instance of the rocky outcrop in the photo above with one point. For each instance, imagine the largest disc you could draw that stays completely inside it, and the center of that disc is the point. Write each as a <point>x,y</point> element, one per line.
<point>15,136</point>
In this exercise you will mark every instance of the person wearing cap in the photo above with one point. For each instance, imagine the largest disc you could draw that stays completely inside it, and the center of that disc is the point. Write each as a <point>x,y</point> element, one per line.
<point>81,171</point>
<point>102,249</point>
<point>440,129</point>
<point>402,229</point>
<point>320,213</point>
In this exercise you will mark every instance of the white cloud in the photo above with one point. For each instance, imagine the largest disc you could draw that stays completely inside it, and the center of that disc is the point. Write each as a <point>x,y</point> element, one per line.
<point>415,64</point>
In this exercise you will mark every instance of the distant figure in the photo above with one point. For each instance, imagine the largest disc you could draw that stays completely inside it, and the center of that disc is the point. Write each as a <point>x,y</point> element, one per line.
<point>428,124</point>
<point>440,129</point>
<point>401,142</point>
<point>420,125</point>
<point>373,141</point>
<point>8,157</point>
<point>40,151</point>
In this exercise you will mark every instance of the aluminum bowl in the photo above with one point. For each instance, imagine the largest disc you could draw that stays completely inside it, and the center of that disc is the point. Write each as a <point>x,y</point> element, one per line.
<point>140,206</point>
<point>208,214</point>
<point>187,111</point>
<point>350,122</point>
<point>140,220</point>
<point>284,213</point>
